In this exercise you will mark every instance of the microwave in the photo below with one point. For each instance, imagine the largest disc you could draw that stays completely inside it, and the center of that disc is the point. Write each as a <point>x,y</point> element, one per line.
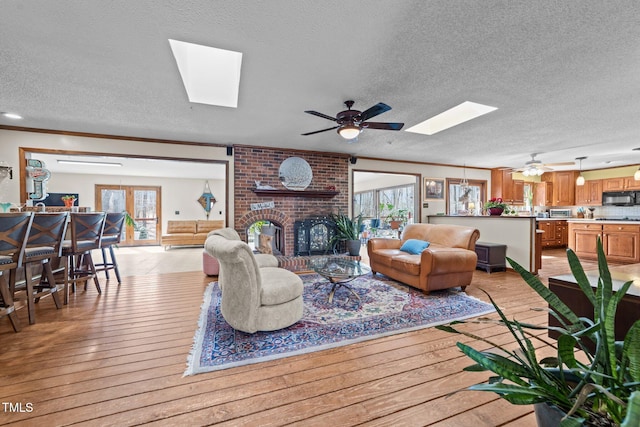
<point>559,213</point>
<point>619,198</point>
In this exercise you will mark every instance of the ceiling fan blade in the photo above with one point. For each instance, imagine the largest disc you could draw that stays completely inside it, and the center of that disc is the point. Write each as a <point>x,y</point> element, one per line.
<point>383,126</point>
<point>379,108</point>
<point>324,116</point>
<point>318,131</point>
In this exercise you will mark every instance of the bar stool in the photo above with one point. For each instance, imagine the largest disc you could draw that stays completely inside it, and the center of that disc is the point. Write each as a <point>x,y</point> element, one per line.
<point>14,230</point>
<point>86,232</point>
<point>113,224</point>
<point>43,245</point>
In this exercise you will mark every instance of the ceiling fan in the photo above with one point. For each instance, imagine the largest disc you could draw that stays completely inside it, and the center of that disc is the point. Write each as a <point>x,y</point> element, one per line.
<point>352,122</point>
<point>535,167</point>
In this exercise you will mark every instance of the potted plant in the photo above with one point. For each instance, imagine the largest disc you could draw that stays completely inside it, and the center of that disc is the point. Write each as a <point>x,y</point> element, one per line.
<point>393,216</point>
<point>348,229</point>
<point>592,380</point>
<point>495,206</point>
<point>68,200</point>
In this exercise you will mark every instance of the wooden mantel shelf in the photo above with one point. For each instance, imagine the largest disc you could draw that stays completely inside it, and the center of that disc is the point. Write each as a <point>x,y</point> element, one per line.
<point>311,194</point>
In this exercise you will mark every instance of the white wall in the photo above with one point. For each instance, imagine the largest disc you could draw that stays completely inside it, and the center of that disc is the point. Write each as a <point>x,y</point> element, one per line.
<point>177,194</point>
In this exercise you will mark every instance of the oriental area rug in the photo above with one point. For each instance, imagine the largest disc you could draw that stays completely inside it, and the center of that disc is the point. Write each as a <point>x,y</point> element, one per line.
<point>386,307</point>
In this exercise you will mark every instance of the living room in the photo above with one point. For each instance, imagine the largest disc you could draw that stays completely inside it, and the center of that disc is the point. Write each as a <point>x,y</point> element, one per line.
<point>103,80</point>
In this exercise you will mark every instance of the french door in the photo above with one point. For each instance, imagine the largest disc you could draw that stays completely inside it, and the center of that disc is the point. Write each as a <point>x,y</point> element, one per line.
<point>143,205</point>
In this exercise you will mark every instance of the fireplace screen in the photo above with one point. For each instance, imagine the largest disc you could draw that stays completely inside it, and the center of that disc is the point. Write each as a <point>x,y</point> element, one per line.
<point>313,236</point>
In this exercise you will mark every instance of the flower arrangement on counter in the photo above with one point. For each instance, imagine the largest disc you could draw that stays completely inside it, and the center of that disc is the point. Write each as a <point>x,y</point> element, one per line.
<point>496,202</point>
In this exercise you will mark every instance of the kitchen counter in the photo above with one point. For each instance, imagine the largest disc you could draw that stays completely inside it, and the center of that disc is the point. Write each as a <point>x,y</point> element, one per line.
<point>518,233</point>
<point>603,221</point>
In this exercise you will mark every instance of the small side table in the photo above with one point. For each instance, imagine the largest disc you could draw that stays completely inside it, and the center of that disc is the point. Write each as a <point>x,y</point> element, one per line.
<point>491,256</point>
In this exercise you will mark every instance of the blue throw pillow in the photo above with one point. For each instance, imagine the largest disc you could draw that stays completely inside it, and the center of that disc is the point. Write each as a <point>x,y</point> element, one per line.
<point>414,246</point>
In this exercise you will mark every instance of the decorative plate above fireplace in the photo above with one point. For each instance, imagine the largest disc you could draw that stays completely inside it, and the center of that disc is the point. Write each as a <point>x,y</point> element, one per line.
<point>295,173</point>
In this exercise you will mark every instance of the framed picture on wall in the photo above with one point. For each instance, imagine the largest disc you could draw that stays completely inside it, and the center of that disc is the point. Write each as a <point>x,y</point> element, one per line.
<point>433,189</point>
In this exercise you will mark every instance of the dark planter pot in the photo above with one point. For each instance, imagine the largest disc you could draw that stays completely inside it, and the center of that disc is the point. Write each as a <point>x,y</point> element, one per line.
<point>547,415</point>
<point>495,211</point>
<point>353,246</point>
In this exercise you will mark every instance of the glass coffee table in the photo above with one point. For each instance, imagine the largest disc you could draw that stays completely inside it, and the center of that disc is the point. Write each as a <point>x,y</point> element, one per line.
<point>339,272</point>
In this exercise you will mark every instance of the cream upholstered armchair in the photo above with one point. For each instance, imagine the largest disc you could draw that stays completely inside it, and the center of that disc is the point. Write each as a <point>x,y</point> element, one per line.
<point>253,298</point>
<point>263,260</point>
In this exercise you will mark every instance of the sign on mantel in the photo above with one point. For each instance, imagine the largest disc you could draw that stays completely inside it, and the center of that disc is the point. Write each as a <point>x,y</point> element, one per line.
<point>262,205</point>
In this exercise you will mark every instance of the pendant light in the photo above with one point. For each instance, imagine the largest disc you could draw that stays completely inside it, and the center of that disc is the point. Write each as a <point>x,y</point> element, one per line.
<point>464,184</point>
<point>580,180</point>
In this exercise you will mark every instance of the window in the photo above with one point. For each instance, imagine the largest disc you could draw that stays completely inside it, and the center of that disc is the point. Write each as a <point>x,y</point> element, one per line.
<point>368,202</point>
<point>365,203</point>
<point>466,200</point>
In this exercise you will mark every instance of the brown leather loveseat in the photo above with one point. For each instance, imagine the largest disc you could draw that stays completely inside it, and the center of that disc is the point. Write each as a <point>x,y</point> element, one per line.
<point>189,232</point>
<point>449,261</point>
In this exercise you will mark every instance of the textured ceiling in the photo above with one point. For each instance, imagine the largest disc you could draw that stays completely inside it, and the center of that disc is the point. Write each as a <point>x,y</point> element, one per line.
<point>565,75</point>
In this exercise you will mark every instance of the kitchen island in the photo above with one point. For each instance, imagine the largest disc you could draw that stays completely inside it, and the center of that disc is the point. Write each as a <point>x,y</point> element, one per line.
<point>517,232</point>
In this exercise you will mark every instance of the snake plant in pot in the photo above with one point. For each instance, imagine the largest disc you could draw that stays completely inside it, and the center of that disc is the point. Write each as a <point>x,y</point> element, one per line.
<point>348,229</point>
<point>591,379</point>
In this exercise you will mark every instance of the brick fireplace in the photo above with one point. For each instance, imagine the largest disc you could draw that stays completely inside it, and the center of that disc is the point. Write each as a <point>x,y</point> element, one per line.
<point>330,172</point>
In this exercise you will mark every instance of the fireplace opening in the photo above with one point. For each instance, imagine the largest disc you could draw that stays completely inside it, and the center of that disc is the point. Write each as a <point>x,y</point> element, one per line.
<point>267,227</point>
<point>314,236</point>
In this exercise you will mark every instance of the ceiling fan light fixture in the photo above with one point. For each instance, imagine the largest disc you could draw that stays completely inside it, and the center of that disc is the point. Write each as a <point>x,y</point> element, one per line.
<point>349,131</point>
<point>533,171</point>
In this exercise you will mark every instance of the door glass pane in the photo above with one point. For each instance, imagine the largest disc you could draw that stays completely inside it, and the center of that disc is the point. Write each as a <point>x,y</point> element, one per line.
<point>114,201</point>
<point>145,214</point>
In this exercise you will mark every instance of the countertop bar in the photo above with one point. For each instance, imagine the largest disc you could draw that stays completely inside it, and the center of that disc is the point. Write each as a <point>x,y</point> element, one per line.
<point>517,232</point>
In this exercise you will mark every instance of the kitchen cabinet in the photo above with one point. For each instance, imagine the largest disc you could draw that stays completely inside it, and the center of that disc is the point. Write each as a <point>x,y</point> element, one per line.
<point>589,194</point>
<point>555,233</point>
<point>564,187</point>
<point>631,184</point>
<point>505,187</point>
<point>583,239</point>
<point>620,242</point>
<point>620,184</point>
<point>543,195</point>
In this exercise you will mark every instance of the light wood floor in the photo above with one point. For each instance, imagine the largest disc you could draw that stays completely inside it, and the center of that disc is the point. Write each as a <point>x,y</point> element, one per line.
<point>118,359</point>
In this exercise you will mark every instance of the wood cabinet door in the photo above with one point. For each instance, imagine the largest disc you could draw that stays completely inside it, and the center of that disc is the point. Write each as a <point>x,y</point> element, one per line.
<point>613,184</point>
<point>620,242</point>
<point>621,246</point>
<point>549,235</point>
<point>585,243</point>
<point>517,192</point>
<point>594,192</point>
<point>631,184</point>
<point>589,194</point>
<point>583,239</point>
<point>581,194</point>
<point>564,188</point>
<point>543,194</point>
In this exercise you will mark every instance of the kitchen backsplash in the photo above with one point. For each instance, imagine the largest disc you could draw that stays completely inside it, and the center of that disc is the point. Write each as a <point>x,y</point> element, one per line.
<point>601,211</point>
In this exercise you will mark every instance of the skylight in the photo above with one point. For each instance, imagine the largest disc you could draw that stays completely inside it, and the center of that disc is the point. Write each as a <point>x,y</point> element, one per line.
<point>210,75</point>
<point>452,117</point>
